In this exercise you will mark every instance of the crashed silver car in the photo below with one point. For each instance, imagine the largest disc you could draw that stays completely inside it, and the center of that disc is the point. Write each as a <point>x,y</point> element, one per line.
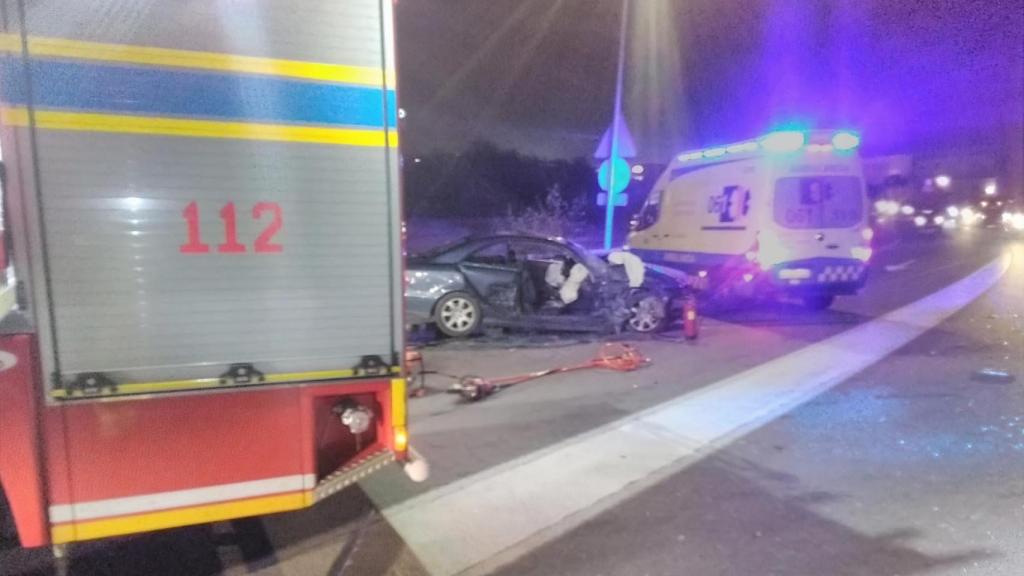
<point>537,283</point>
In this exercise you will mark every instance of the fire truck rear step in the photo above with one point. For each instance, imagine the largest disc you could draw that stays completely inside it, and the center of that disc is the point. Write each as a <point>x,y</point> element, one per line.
<point>352,472</point>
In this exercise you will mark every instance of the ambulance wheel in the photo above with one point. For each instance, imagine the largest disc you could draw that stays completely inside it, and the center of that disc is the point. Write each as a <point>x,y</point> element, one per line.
<point>647,313</point>
<point>819,301</point>
<point>457,314</point>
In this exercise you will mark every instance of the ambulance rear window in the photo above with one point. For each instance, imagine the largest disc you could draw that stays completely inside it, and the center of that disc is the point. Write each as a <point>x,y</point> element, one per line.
<point>818,202</point>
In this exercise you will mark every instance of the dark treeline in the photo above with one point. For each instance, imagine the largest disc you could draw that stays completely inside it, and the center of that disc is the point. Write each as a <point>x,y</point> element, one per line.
<point>488,181</point>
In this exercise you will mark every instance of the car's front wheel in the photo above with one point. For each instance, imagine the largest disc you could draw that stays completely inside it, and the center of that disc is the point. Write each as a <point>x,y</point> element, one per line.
<point>457,314</point>
<point>647,313</point>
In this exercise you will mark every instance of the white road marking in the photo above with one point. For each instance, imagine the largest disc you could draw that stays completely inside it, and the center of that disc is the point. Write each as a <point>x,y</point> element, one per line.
<point>899,267</point>
<point>491,518</point>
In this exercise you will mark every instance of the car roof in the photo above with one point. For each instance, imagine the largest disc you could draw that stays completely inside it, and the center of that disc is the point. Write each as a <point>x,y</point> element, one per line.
<point>517,236</point>
<point>459,250</point>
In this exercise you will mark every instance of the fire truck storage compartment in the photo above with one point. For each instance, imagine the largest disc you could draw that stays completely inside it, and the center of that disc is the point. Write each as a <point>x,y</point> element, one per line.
<point>173,256</point>
<point>336,445</point>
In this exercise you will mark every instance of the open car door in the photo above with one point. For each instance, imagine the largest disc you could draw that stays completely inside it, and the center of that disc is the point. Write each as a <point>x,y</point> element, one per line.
<point>494,274</point>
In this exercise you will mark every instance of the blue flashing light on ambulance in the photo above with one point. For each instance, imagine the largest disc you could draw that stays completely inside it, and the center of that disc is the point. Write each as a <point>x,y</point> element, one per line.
<point>785,214</point>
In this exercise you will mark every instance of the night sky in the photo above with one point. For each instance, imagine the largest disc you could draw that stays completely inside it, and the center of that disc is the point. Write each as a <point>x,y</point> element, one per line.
<point>538,75</point>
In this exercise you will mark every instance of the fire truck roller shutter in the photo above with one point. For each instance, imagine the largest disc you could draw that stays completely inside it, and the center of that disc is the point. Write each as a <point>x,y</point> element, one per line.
<point>217,185</point>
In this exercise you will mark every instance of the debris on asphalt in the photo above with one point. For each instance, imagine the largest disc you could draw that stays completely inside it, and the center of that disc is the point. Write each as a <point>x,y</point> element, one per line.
<point>993,375</point>
<point>612,356</point>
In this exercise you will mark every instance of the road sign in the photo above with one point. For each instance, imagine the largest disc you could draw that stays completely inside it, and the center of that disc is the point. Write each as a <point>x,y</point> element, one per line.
<point>622,175</point>
<point>620,199</point>
<point>627,149</point>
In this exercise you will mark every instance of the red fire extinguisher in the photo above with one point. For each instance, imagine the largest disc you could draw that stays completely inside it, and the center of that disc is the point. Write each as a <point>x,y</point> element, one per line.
<point>691,322</point>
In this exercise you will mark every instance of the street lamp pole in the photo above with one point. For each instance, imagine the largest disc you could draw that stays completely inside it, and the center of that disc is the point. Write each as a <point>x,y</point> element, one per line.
<point>609,220</point>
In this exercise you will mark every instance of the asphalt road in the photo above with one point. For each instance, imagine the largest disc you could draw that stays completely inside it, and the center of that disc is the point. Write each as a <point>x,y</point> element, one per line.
<point>853,441</point>
<point>913,466</point>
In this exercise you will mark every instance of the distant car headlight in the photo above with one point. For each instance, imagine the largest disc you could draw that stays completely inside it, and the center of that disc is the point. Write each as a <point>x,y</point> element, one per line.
<point>907,209</point>
<point>887,207</point>
<point>1017,221</point>
<point>920,221</point>
<point>939,219</point>
<point>953,211</point>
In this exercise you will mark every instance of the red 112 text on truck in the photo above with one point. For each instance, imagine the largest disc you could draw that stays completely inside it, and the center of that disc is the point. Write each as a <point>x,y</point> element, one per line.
<point>203,220</point>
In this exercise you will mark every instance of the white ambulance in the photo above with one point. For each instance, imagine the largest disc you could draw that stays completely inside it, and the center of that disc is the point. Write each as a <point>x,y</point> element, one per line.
<point>785,214</point>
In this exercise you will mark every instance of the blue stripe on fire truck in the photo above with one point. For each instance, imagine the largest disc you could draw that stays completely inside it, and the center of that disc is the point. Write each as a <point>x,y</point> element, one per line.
<point>134,90</point>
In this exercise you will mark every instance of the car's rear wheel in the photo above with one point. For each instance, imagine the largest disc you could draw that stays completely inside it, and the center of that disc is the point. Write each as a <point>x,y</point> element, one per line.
<point>647,313</point>
<point>457,314</point>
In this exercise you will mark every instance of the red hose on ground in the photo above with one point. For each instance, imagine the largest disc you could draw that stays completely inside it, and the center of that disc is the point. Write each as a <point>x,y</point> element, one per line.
<point>612,356</point>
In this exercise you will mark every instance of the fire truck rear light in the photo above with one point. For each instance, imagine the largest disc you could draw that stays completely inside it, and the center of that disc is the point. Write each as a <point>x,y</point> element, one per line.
<point>401,439</point>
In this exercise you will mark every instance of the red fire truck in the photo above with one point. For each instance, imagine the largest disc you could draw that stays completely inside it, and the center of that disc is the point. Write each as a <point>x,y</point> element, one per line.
<point>203,308</point>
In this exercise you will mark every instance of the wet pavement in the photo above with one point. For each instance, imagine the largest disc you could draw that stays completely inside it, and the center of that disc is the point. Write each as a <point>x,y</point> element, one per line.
<point>912,466</point>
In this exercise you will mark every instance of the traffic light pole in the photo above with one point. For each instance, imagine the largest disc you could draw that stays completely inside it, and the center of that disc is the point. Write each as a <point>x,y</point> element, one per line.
<point>609,220</point>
